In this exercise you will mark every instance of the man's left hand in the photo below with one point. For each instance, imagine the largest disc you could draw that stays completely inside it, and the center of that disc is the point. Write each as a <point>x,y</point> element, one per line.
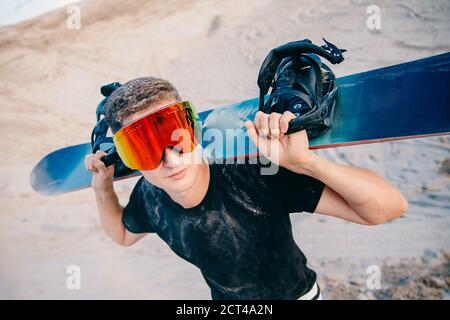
<point>267,132</point>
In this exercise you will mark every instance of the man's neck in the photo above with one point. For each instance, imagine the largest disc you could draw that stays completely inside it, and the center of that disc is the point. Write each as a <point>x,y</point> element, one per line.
<point>192,197</point>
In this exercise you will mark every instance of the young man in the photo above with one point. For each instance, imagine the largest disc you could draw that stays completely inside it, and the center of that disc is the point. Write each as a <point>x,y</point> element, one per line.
<point>229,220</point>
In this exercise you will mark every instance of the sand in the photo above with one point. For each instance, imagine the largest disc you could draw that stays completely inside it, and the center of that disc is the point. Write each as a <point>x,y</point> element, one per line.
<point>49,88</point>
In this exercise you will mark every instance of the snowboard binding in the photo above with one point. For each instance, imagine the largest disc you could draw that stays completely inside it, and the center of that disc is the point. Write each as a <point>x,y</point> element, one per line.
<point>99,138</point>
<point>301,84</point>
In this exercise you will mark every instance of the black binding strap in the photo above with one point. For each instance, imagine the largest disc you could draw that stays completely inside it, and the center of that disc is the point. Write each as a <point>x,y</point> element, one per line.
<point>99,133</point>
<point>300,83</point>
<point>270,64</point>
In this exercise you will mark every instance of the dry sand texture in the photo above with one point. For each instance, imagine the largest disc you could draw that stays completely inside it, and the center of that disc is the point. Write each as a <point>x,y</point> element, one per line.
<point>211,50</point>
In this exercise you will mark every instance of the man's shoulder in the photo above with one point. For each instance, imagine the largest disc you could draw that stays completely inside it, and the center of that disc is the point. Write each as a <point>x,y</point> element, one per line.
<point>143,186</point>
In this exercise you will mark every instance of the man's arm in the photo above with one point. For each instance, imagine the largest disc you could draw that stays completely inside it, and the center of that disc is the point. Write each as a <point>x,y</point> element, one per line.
<point>111,212</point>
<point>354,194</point>
<point>351,193</point>
<point>108,205</point>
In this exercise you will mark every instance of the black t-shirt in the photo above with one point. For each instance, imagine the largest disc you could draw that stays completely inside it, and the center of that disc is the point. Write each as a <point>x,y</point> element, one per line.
<point>240,235</point>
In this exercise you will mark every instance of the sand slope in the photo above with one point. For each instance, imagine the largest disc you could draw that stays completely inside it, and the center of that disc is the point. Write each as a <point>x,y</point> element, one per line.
<point>49,88</point>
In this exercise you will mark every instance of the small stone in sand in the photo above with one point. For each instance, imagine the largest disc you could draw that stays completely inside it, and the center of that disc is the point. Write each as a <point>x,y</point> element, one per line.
<point>445,166</point>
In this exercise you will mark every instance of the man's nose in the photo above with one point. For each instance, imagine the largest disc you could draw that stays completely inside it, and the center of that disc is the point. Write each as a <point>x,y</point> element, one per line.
<point>172,157</point>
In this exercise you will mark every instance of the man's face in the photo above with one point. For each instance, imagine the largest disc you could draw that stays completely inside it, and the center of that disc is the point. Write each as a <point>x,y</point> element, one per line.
<point>177,171</point>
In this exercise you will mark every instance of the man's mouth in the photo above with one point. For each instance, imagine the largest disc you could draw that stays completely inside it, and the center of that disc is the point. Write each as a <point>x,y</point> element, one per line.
<point>178,175</point>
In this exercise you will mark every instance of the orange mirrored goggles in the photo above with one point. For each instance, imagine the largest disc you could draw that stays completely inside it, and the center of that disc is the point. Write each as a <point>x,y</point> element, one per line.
<point>141,143</point>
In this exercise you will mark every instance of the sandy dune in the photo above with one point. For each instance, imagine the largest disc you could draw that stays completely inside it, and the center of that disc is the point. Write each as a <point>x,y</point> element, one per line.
<point>49,88</point>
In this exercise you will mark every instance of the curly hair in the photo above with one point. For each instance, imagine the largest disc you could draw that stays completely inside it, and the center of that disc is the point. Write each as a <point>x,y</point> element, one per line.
<point>136,95</point>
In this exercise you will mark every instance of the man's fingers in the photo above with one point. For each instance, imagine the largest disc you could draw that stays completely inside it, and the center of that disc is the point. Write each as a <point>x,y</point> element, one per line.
<point>262,124</point>
<point>93,163</point>
<point>88,162</point>
<point>284,121</point>
<point>100,154</point>
<point>251,131</point>
<point>274,125</point>
<point>258,115</point>
<point>99,165</point>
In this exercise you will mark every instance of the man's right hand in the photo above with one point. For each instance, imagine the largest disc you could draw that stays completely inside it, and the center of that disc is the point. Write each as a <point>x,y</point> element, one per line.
<point>102,176</point>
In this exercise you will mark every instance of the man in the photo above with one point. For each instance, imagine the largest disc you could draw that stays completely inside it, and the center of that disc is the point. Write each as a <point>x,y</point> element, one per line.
<point>229,220</point>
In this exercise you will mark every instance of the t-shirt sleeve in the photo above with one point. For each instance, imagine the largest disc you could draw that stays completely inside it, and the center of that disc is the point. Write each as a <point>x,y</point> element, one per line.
<point>136,217</point>
<point>301,192</point>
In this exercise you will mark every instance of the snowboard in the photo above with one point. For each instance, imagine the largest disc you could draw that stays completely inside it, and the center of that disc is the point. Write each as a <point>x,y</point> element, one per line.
<point>408,100</point>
